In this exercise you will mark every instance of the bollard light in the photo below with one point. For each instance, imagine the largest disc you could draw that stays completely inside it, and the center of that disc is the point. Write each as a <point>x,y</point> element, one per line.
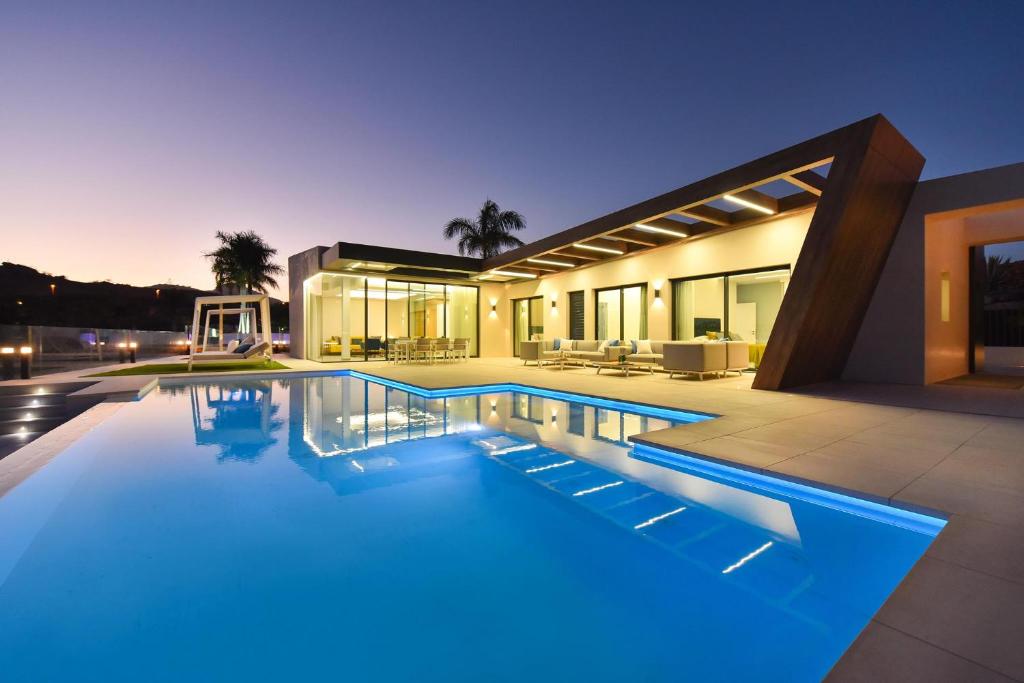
<point>122,349</point>
<point>26,362</point>
<point>131,350</point>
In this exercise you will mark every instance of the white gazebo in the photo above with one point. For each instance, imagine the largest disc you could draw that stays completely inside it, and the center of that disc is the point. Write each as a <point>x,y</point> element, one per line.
<point>243,305</point>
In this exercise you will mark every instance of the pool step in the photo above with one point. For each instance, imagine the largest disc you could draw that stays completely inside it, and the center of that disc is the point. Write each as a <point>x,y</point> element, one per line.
<point>28,411</point>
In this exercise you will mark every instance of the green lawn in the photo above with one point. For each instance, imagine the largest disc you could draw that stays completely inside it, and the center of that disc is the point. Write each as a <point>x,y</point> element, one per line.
<point>182,368</point>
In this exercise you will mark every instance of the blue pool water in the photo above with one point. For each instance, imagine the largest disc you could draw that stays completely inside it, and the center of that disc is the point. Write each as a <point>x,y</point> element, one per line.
<point>336,528</point>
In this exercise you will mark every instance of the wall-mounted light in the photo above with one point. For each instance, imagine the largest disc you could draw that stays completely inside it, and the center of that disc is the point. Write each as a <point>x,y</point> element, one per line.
<point>749,204</point>
<point>657,294</point>
<point>554,303</point>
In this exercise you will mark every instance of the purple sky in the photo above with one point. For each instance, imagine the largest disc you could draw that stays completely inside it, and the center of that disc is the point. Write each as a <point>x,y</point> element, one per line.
<point>130,132</point>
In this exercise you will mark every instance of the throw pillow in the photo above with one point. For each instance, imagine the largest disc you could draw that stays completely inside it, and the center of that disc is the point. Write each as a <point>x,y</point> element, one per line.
<point>633,345</point>
<point>557,344</point>
<point>642,346</point>
<point>603,345</point>
<point>242,348</point>
<point>232,345</point>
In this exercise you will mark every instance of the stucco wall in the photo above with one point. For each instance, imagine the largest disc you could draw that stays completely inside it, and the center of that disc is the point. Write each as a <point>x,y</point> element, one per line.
<point>903,339</point>
<point>301,266</point>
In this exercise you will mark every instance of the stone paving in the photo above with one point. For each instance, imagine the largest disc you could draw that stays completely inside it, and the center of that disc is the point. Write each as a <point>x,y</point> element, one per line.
<point>959,614</point>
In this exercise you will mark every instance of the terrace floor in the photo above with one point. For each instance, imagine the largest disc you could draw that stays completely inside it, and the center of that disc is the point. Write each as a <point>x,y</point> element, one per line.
<point>958,615</point>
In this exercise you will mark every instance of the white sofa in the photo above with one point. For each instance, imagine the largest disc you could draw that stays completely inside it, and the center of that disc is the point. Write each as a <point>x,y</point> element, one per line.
<point>587,350</point>
<point>705,358</point>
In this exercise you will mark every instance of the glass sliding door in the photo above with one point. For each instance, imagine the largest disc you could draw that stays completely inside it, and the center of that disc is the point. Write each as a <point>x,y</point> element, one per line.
<point>376,318</point>
<point>699,308</point>
<point>621,312</point>
<point>461,314</point>
<point>335,317</point>
<point>527,320</point>
<point>354,318</point>
<point>397,310</point>
<point>740,305</point>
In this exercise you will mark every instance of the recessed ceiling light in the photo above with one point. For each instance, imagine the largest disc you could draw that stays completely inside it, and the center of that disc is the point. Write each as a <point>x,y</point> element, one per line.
<point>606,250</point>
<point>551,263</point>
<point>748,204</point>
<point>513,273</point>
<point>664,231</point>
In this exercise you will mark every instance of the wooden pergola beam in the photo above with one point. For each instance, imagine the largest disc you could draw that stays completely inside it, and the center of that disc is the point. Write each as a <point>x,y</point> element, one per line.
<point>809,181</point>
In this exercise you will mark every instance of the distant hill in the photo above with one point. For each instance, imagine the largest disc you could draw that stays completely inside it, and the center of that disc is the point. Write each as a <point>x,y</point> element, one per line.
<point>26,299</point>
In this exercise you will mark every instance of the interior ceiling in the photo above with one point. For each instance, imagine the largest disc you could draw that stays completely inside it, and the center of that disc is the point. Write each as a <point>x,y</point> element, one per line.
<point>786,193</point>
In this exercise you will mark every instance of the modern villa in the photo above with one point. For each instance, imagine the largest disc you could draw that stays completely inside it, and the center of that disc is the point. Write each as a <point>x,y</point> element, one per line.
<point>222,516</point>
<point>829,258</point>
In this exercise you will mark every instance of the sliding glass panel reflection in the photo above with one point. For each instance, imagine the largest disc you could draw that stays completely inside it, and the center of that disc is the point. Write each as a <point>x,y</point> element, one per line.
<point>741,306</point>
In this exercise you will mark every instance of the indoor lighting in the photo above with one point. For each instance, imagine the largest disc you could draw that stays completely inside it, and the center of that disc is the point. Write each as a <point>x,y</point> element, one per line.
<point>606,250</point>
<point>25,350</point>
<point>546,262</point>
<point>7,349</point>
<point>772,274</point>
<point>748,204</point>
<point>663,231</point>
<point>512,273</point>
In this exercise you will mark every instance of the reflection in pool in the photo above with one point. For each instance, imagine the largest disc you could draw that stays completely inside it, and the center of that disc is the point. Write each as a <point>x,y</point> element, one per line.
<point>334,526</point>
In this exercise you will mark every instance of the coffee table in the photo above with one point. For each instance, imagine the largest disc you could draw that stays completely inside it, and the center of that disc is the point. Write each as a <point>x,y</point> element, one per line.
<point>624,368</point>
<point>564,358</point>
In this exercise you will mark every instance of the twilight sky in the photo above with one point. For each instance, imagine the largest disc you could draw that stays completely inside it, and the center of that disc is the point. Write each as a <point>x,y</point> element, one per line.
<point>130,131</point>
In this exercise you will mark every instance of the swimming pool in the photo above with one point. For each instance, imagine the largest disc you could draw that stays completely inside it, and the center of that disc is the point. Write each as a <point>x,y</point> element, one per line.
<point>333,526</point>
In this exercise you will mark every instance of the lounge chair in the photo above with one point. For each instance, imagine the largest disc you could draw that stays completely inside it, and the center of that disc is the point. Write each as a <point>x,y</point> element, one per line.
<point>256,350</point>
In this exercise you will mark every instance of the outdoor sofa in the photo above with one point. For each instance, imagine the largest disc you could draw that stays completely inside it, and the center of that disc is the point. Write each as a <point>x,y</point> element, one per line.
<point>675,357</point>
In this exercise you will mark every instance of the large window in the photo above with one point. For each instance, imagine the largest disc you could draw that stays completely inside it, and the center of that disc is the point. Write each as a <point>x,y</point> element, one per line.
<point>352,317</point>
<point>741,305</point>
<point>621,312</point>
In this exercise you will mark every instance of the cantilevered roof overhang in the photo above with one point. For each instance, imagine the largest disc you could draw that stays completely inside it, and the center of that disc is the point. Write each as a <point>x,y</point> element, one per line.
<point>786,182</point>
<point>367,259</point>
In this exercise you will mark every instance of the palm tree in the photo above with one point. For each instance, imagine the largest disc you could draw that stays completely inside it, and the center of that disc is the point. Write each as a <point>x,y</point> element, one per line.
<point>997,273</point>
<point>488,235</point>
<point>243,262</point>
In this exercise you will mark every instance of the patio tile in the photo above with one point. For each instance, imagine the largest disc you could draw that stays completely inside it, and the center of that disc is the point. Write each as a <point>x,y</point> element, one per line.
<point>985,466</point>
<point>883,654</point>
<point>782,434</point>
<point>900,459</point>
<point>967,613</point>
<point>987,547</point>
<point>736,449</point>
<point>920,441</point>
<point>839,472</point>
<point>971,500</point>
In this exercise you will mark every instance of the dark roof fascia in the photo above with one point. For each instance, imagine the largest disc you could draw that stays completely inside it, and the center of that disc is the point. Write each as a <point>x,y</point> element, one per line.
<point>403,257</point>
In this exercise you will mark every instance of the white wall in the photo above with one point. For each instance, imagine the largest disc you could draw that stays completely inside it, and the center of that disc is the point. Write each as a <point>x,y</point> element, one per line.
<point>903,338</point>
